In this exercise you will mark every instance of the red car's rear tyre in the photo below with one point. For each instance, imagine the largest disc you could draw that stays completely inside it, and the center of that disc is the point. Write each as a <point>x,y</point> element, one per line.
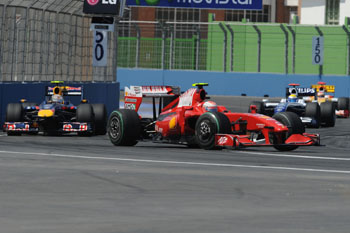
<point>124,127</point>
<point>209,124</point>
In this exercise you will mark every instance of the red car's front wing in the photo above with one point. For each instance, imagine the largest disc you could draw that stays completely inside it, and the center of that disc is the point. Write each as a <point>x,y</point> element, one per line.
<point>236,141</point>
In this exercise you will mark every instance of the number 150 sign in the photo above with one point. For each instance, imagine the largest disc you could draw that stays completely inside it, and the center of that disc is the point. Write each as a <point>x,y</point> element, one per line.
<point>100,49</point>
<point>317,50</point>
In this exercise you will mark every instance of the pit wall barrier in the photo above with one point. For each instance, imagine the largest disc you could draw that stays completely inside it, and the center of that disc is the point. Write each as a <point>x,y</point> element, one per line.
<point>107,93</point>
<point>236,84</point>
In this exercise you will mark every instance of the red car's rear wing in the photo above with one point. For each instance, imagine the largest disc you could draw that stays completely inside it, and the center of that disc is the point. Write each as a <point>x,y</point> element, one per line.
<point>134,94</point>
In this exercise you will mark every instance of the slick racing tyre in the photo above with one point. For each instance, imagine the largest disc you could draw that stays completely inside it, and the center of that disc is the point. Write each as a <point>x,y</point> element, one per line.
<point>260,107</point>
<point>343,103</point>
<point>124,127</point>
<point>313,111</point>
<point>328,114</point>
<point>295,126</point>
<point>14,113</point>
<point>209,124</point>
<point>100,114</point>
<point>84,114</point>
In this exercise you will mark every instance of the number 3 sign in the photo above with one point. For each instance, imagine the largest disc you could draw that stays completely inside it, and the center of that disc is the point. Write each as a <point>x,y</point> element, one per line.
<point>317,50</point>
<point>100,49</point>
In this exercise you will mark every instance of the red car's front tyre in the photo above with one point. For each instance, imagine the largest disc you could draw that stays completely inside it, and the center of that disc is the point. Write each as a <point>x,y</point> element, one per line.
<point>209,124</point>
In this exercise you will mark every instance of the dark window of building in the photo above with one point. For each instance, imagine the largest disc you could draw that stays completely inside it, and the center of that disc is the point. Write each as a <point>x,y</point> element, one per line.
<point>124,29</point>
<point>252,16</point>
<point>178,15</point>
<point>332,12</point>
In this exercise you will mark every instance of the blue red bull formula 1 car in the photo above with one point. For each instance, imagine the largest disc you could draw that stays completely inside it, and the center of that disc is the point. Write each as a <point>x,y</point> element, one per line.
<point>55,115</point>
<point>192,120</point>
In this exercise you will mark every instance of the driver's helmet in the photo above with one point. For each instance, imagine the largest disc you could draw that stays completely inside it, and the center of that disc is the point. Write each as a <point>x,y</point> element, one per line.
<point>210,106</point>
<point>292,98</point>
<point>320,92</point>
<point>57,99</point>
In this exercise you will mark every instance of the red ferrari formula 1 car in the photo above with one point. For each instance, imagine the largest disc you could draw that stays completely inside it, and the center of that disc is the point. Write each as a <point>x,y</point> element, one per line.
<point>191,119</point>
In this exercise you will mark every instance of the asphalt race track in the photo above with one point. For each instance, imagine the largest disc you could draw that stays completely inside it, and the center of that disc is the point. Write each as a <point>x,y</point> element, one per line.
<point>87,185</point>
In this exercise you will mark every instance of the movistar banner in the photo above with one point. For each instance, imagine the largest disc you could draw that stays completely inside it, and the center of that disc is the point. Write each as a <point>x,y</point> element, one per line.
<point>211,4</point>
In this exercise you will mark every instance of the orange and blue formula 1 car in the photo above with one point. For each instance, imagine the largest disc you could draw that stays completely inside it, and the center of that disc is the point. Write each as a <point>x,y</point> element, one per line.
<point>193,120</point>
<point>325,93</point>
<point>55,115</point>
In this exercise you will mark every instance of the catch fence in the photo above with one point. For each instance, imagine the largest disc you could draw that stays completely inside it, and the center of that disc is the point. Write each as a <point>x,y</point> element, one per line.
<point>37,44</point>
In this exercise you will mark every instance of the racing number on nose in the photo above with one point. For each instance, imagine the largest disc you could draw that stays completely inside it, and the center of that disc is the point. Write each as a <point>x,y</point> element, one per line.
<point>99,51</point>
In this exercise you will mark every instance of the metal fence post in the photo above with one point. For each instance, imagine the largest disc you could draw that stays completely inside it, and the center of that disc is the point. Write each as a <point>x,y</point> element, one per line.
<point>48,45</point>
<point>171,28</point>
<point>293,47</point>
<point>232,46</point>
<point>225,44</point>
<point>115,51</point>
<point>163,45</point>
<point>138,36</point>
<point>348,49</point>
<point>198,42</point>
<point>259,46</point>
<point>321,66</point>
<point>2,39</point>
<point>26,35</point>
<point>56,45</point>
<point>70,46</point>
<point>75,47</point>
<point>14,52</point>
<point>286,48</point>
<point>41,43</point>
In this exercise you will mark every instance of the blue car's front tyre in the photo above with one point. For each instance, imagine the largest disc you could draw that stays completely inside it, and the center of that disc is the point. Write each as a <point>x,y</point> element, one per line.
<point>295,126</point>
<point>14,113</point>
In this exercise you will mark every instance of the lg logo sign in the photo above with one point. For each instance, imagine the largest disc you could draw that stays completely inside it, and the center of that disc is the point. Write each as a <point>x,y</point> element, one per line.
<point>102,7</point>
<point>94,2</point>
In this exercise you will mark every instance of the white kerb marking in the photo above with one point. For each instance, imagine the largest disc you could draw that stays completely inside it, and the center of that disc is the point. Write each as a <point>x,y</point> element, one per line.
<point>177,162</point>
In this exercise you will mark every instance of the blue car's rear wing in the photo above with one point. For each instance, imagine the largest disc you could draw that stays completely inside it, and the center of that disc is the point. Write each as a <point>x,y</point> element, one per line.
<point>64,90</point>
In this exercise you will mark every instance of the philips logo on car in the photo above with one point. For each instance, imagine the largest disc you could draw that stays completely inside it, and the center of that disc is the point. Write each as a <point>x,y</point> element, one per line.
<point>306,90</point>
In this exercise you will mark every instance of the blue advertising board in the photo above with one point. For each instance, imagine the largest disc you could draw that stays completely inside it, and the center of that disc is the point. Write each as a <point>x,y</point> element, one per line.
<point>208,4</point>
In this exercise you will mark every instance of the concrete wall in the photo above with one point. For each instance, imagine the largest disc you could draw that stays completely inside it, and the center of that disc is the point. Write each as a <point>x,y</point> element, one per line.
<point>107,93</point>
<point>220,83</point>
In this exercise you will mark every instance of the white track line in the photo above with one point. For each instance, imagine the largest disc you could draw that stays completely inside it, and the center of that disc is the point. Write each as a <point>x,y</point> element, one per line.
<point>177,162</point>
<point>295,156</point>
